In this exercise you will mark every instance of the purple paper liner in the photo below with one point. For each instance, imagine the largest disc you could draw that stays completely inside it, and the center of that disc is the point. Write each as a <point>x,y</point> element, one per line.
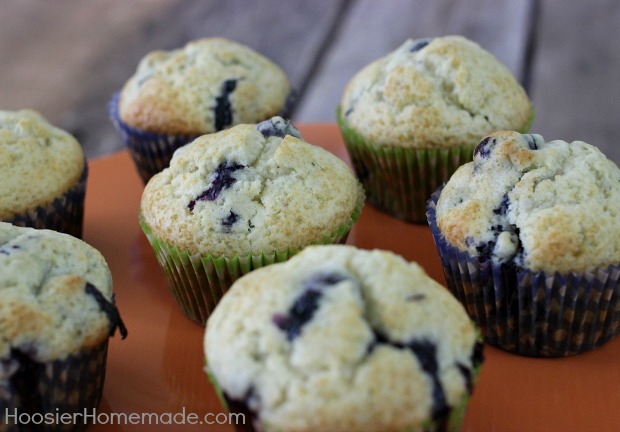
<point>45,391</point>
<point>151,152</point>
<point>64,214</point>
<point>527,313</point>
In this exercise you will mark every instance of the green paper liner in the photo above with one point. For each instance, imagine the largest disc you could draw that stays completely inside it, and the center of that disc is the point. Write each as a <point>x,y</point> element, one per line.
<point>64,214</point>
<point>73,385</point>
<point>198,281</point>
<point>527,313</point>
<point>399,180</point>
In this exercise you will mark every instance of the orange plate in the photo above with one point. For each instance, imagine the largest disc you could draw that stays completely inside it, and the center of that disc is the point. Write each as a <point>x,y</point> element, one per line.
<point>158,369</point>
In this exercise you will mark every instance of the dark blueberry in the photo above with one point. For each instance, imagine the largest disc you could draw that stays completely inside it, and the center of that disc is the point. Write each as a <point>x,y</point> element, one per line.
<point>109,309</point>
<point>485,249</point>
<point>242,408</point>
<point>223,107</point>
<point>485,147</point>
<point>420,44</point>
<point>305,306</point>
<point>477,357</point>
<point>426,352</point>
<point>300,313</point>
<point>503,205</point>
<point>323,280</point>
<point>466,372</point>
<point>277,126</point>
<point>223,179</point>
<point>497,229</point>
<point>532,142</point>
<point>520,253</point>
<point>380,339</point>
<point>230,220</point>
<point>7,251</point>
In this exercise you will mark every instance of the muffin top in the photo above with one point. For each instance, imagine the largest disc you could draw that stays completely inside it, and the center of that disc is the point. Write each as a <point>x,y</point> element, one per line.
<point>206,86</point>
<point>55,295</point>
<point>38,162</point>
<point>250,188</point>
<point>338,338</point>
<point>429,93</point>
<point>550,206</point>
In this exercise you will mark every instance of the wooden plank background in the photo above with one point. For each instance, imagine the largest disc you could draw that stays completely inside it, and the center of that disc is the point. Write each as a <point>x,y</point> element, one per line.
<point>65,58</point>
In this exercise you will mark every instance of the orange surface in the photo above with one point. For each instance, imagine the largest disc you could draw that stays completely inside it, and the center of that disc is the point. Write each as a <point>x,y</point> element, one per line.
<point>158,368</point>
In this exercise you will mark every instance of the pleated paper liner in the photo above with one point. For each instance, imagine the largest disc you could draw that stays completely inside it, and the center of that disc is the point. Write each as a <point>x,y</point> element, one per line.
<point>64,214</point>
<point>399,180</point>
<point>450,421</point>
<point>532,314</point>
<point>152,152</point>
<point>198,282</point>
<point>42,392</point>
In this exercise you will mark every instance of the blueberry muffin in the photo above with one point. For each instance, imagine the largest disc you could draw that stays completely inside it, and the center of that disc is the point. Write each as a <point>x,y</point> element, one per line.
<point>56,315</point>
<point>206,86</point>
<point>242,198</point>
<point>529,237</point>
<point>342,339</point>
<point>412,117</point>
<point>43,174</point>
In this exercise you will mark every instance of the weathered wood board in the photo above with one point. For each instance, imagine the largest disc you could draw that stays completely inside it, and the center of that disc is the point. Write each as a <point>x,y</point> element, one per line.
<point>65,58</point>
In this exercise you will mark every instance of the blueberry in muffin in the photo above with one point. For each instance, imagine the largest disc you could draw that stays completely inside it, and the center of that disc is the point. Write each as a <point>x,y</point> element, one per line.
<point>339,338</point>
<point>409,119</point>
<point>57,313</point>
<point>242,198</point>
<point>208,85</point>
<point>529,239</point>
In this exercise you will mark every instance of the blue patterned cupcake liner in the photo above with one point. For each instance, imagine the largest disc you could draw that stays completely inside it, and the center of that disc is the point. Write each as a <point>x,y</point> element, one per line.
<point>152,152</point>
<point>72,385</point>
<point>64,214</point>
<point>527,313</point>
